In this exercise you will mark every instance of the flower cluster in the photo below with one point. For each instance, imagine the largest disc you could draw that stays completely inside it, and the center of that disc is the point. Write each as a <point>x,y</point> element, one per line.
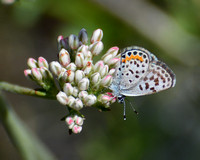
<point>83,83</point>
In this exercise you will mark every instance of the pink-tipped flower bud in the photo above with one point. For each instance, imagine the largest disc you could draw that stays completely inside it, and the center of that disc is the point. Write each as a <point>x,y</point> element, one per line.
<point>83,84</point>
<point>70,76</point>
<point>111,72</point>
<point>106,81</point>
<point>71,67</point>
<point>76,129</point>
<point>42,62</point>
<point>79,74</point>
<point>96,48</point>
<point>95,78</point>
<point>107,58</point>
<point>32,63</point>
<point>55,68</point>
<point>96,36</point>
<point>73,41</point>
<point>64,57</point>
<point>83,37</point>
<point>27,73</point>
<point>69,120</point>
<point>78,120</point>
<point>59,38</point>
<point>68,89</point>
<point>114,62</point>
<point>90,100</point>
<point>79,60</point>
<point>82,94</point>
<point>62,98</point>
<point>104,71</point>
<point>78,104</point>
<point>112,51</point>
<point>71,101</point>
<point>98,66</point>
<point>36,74</point>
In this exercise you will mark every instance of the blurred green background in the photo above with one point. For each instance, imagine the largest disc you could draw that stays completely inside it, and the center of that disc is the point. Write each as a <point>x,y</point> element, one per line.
<point>168,124</point>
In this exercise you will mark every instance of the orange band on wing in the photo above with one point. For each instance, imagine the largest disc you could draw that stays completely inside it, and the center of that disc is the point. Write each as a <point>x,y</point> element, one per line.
<point>132,57</point>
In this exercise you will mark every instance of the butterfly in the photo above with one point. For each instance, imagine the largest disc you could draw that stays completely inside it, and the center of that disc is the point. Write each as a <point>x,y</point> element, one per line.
<point>140,73</point>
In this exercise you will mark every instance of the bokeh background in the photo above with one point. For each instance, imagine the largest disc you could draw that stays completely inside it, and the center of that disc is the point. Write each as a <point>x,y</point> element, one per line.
<point>168,124</point>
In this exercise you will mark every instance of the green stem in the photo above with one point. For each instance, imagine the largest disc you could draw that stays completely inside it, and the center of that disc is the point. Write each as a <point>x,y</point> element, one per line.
<point>26,143</point>
<point>25,91</point>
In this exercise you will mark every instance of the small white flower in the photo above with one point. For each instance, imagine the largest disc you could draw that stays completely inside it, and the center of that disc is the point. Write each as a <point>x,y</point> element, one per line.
<point>104,71</point>
<point>79,59</point>
<point>82,94</point>
<point>98,66</point>
<point>95,78</point>
<point>76,129</point>
<point>71,101</point>
<point>70,76</point>
<point>71,67</point>
<point>75,92</point>
<point>36,74</point>
<point>78,120</point>
<point>106,81</point>
<point>78,104</point>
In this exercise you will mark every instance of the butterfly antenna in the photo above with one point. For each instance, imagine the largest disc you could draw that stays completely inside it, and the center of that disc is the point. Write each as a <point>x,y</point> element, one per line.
<point>132,107</point>
<point>124,109</point>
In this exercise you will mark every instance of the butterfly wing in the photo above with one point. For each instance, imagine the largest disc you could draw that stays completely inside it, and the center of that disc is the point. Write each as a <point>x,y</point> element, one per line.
<point>157,78</point>
<point>134,65</point>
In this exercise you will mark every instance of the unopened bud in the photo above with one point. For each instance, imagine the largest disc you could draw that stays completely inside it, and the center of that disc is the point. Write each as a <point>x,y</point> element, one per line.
<point>112,51</point>
<point>36,74</point>
<point>78,104</point>
<point>98,66</point>
<point>83,36</point>
<point>114,62</point>
<point>79,74</point>
<point>82,94</point>
<point>112,71</point>
<point>76,129</point>
<point>32,63</point>
<point>75,92</point>
<point>88,68</point>
<point>106,81</point>
<point>62,98</point>
<point>71,67</point>
<point>83,84</point>
<point>96,36</point>
<point>42,62</point>
<point>71,101</point>
<point>79,60</point>
<point>96,48</point>
<point>95,78</point>
<point>70,76</point>
<point>90,100</point>
<point>64,57</point>
<point>104,71</point>
<point>55,68</point>
<point>68,89</point>
<point>27,73</point>
<point>78,120</point>
<point>73,41</point>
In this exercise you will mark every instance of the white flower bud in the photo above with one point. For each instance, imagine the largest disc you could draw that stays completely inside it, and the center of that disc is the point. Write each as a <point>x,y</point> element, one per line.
<point>55,67</point>
<point>106,81</point>
<point>88,68</point>
<point>71,67</point>
<point>68,89</point>
<point>75,92</point>
<point>90,100</point>
<point>112,71</point>
<point>83,84</point>
<point>73,41</point>
<point>114,62</point>
<point>42,62</point>
<point>70,76</point>
<point>107,58</point>
<point>32,63</point>
<point>83,49</point>
<point>76,129</point>
<point>112,51</point>
<point>96,36</point>
<point>64,57</point>
<point>96,48</point>
<point>83,37</point>
<point>82,94</point>
<point>36,74</point>
<point>79,59</point>
<point>104,71</point>
<point>62,98</point>
<point>79,75</point>
<point>78,104</point>
<point>98,66</point>
<point>71,101</point>
<point>95,78</point>
<point>78,120</point>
